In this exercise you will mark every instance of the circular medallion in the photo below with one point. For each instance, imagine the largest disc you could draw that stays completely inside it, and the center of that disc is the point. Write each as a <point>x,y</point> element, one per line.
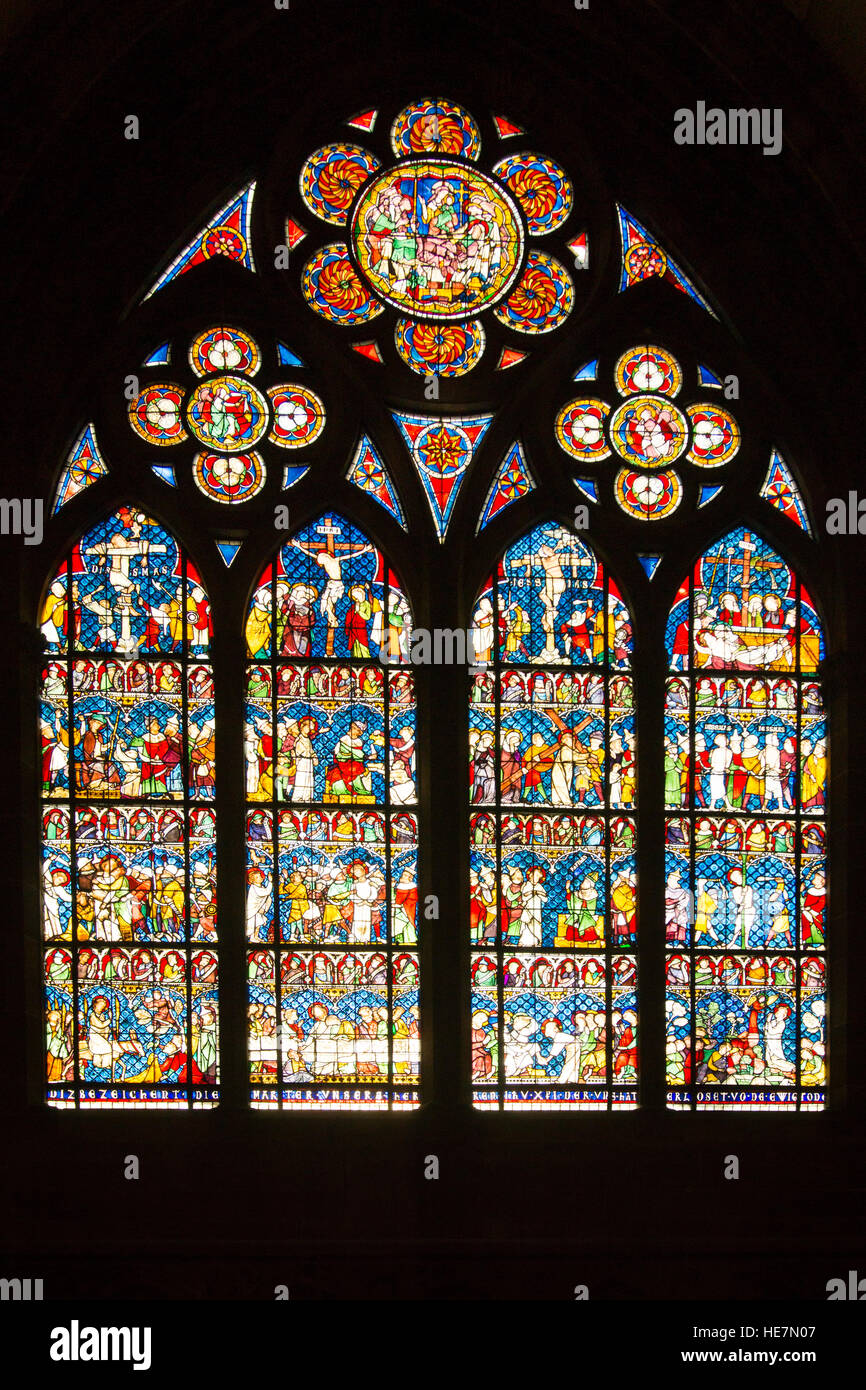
<point>445,349</point>
<point>155,414</point>
<point>227,480</point>
<point>542,299</point>
<point>643,260</point>
<point>223,241</point>
<point>227,413</point>
<point>648,368</point>
<point>541,187</point>
<point>437,239</point>
<point>435,127</point>
<point>331,178</point>
<point>332,287</point>
<point>580,429</point>
<point>649,431</point>
<point>299,416</point>
<point>715,437</point>
<point>224,350</point>
<point>442,449</point>
<point>647,496</point>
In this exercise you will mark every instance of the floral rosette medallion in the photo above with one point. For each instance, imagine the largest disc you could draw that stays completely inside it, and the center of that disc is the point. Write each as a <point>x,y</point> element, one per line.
<point>299,416</point>
<point>224,350</point>
<point>236,478</point>
<point>331,177</point>
<point>580,429</point>
<point>648,496</point>
<point>332,286</point>
<point>541,187</point>
<point>715,435</point>
<point>448,349</point>
<point>155,414</point>
<point>647,368</point>
<point>542,299</point>
<point>435,127</point>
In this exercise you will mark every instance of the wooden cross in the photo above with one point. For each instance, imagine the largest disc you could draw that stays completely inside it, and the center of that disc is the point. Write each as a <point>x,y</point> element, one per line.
<point>746,565</point>
<point>331,547</point>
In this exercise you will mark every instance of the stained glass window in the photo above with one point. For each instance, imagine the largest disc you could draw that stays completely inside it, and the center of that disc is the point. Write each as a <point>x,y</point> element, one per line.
<point>745,873</point>
<point>332,829</point>
<point>552,795</point>
<point>128,822</point>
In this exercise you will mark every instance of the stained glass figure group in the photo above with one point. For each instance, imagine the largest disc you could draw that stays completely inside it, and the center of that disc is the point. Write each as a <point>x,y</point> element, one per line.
<point>128,850</point>
<point>552,837</point>
<point>745,785</point>
<point>332,829</point>
<point>127,725</point>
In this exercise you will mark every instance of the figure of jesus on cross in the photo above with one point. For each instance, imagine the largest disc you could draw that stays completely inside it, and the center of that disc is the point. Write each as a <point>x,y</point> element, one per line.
<point>330,554</point>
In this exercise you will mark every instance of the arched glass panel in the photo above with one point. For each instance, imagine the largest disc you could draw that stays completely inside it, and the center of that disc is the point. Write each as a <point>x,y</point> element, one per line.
<point>128,875</point>
<point>332,829</point>
<point>745,774</point>
<point>552,791</point>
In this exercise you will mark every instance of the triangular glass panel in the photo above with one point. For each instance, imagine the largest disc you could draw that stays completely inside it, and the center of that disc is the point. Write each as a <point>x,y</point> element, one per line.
<point>588,372</point>
<point>84,466</point>
<point>287,358</point>
<point>708,378</point>
<point>442,448</point>
<point>293,473</point>
<point>365,120</point>
<point>165,473</point>
<point>368,472</point>
<point>780,490</point>
<point>579,248</point>
<point>509,357</point>
<point>643,257</point>
<point>295,233</point>
<point>587,487</point>
<point>513,481</point>
<point>226,234</point>
<point>506,128</point>
<point>650,564</point>
<point>369,350</point>
<point>707,495</point>
<point>228,550</point>
<point>160,357</point>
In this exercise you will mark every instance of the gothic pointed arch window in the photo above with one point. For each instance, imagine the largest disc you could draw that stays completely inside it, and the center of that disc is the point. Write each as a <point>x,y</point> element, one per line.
<point>128,824</point>
<point>432,375</point>
<point>553,797</point>
<point>332,828</point>
<point>746,879</point>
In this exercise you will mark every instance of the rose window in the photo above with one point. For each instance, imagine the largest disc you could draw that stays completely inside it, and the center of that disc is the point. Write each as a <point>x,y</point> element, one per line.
<point>437,239</point>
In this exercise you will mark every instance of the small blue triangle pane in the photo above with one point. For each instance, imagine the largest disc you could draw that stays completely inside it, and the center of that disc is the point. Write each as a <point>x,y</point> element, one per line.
<point>160,357</point>
<point>228,550</point>
<point>707,495</point>
<point>287,358</point>
<point>706,377</point>
<point>293,473</point>
<point>587,487</point>
<point>165,473</point>
<point>650,564</point>
<point>588,372</point>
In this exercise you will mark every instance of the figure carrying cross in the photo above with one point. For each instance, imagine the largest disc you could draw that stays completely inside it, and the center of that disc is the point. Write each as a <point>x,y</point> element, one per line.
<point>330,553</point>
